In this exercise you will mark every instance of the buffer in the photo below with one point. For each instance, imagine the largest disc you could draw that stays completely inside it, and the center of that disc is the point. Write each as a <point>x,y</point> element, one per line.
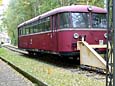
<point>89,57</point>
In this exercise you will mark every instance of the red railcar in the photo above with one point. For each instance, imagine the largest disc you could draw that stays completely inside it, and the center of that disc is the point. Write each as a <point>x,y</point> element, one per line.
<point>58,31</point>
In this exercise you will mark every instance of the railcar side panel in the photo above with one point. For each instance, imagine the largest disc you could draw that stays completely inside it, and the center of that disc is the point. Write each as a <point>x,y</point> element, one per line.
<point>24,42</point>
<point>43,41</point>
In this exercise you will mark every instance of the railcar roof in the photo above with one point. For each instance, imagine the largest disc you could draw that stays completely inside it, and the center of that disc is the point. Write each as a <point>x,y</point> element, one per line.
<point>72,8</point>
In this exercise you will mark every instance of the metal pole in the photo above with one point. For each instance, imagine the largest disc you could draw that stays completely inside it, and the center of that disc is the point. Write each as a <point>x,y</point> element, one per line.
<point>111,38</point>
<point>107,4</point>
<point>113,42</point>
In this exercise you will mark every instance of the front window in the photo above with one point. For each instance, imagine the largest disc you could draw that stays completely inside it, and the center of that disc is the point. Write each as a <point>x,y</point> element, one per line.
<point>99,20</point>
<point>80,20</point>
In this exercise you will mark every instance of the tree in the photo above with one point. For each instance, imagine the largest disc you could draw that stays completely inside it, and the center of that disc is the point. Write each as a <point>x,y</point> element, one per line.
<point>1,2</point>
<point>21,10</point>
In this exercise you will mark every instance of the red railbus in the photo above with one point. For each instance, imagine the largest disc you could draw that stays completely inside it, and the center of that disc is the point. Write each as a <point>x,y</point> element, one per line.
<point>58,30</point>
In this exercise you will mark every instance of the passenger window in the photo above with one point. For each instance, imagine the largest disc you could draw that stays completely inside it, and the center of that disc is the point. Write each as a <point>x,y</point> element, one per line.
<point>31,29</point>
<point>24,32</point>
<point>64,20</point>
<point>27,31</point>
<point>20,31</point>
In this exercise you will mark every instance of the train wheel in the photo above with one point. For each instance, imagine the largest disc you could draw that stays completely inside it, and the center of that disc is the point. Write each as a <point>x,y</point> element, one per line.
<point>30,52</point>
<point>75,59</point>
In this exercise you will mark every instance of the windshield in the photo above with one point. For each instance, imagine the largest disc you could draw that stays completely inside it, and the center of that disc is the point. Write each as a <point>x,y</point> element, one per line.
<point>80,20</point>
<point>99,20</point>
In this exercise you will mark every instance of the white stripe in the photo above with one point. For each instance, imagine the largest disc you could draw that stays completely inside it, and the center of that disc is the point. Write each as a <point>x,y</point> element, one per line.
<point>66,29</point>
<point>37,33</point>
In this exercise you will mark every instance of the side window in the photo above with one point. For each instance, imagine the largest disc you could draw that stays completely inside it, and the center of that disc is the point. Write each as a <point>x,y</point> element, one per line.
<point>35,29</point>
<point>42,25</point>
<point>47,24</point>
<point>64,20</point>
<point>23,31</point>
<point>27,31</point>
<point>19,33</point>
<point>35,26</point>
<point>31,29</point>
<point>38,26</point>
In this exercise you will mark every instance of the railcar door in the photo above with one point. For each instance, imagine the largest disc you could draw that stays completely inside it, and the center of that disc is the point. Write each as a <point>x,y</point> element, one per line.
<point>54,33</point>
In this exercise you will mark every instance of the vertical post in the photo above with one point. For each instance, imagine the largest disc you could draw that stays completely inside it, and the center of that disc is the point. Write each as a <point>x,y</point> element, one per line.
<point>110,60</point>
<point>114,43</point>
<point>107,4</point>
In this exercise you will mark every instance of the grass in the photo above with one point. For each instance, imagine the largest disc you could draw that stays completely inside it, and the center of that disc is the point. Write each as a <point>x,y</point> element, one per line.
<point>53,76</point>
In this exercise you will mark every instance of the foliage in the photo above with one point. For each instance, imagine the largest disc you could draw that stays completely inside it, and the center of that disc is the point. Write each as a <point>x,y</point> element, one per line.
<point>1,2</point>
<point>19,11</point>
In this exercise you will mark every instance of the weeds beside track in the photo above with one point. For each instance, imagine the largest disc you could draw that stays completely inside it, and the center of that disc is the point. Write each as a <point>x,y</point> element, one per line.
<point>53,74</point>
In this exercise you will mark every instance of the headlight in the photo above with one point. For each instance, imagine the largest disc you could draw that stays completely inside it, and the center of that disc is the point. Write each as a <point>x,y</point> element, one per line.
<point>105,35</point>
<point>89,8</point>
<point>76,35</point>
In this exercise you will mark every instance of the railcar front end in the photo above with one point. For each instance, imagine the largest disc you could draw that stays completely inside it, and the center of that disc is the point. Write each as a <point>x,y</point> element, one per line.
<point>80,26</point>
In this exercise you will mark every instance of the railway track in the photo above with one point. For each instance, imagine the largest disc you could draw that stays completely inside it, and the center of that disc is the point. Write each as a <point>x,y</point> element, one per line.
<point>66,64</point>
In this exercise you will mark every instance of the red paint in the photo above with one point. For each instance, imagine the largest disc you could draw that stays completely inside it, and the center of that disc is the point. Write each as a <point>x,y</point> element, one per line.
<point>60,41</point>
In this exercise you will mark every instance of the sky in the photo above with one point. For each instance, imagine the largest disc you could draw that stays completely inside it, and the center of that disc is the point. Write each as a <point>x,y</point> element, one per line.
<point>5,2</point>
<point>3,6</point>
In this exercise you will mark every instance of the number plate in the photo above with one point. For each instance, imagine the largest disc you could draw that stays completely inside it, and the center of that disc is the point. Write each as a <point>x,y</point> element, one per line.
<point>100,42</point>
